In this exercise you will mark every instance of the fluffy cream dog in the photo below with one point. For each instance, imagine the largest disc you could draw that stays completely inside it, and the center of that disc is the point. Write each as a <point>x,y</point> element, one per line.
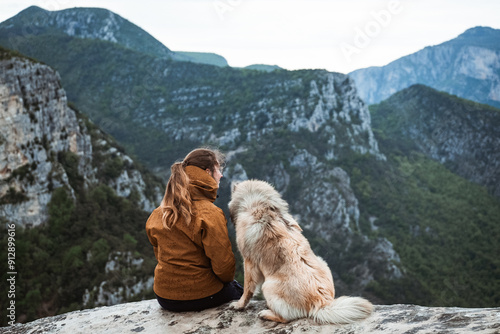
<point>295,282</point>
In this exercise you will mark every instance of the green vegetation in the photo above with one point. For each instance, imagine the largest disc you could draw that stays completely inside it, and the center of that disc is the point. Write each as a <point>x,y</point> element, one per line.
<point>69,161</point>
<point>203,58</point>
<point>262,67</point>
<point>59,261</point>
<point>36,21</point>
<point>6,54</point>
<point>444,228</point>
<point>461,133</point>
<point>23,173</point>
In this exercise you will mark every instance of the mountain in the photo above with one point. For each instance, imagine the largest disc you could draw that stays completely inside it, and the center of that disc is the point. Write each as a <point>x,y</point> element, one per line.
<point>467,66</point>
<point>92,23</point>
<point>204,58</point>
<point>41,134</point>
<point>375,214</point>
<point>262,67</point>
<point>100,24</point>
<point>461,134</point>
<point>438,221</point>
<point>77,200</point>
<point>141,99</point>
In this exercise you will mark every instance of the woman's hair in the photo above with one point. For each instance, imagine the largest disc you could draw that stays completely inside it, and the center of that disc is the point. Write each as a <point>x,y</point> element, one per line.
<point>176,202</point>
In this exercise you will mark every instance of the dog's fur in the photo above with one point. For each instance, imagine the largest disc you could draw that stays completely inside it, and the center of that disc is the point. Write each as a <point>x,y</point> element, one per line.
<point>295,282</point>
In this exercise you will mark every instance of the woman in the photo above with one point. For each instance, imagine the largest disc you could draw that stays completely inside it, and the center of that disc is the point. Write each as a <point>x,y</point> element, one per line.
<point>188,232</point>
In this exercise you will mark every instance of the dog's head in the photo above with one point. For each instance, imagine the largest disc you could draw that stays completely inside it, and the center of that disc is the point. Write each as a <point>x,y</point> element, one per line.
<point>246,194</point>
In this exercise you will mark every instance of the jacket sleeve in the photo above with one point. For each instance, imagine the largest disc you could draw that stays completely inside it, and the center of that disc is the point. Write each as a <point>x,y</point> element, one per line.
<point>217,246</point>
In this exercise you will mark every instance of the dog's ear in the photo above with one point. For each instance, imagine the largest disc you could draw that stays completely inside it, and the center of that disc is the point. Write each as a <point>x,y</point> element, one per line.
<point>290,222</point>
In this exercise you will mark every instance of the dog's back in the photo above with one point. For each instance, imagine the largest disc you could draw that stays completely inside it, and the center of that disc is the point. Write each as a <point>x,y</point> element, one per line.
<point>295,282</point>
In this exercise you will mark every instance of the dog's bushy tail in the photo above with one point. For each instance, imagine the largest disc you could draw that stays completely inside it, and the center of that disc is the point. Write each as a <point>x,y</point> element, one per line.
<point>343,310</point>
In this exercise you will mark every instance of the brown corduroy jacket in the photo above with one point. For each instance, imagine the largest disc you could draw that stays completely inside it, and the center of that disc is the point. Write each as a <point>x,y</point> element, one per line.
<point>195,259</point>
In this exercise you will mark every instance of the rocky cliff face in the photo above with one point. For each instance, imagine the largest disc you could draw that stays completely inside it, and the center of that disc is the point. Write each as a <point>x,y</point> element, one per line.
<point>458,133</point>
<point>328,107</point>
<point>38,130</point>
<point>468,66</point>
<point>46,146</point>
<point>36,124</point>
<point>147,317</point>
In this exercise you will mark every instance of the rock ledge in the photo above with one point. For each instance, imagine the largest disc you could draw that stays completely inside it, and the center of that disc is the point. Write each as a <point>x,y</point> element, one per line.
<point>147,317</point>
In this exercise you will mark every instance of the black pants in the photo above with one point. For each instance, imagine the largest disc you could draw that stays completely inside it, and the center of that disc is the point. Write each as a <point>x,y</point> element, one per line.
<point>231,291</point>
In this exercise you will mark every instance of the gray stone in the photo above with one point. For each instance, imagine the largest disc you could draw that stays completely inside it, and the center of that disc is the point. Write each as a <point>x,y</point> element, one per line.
<point>147,317</point>
<point>36,125</point>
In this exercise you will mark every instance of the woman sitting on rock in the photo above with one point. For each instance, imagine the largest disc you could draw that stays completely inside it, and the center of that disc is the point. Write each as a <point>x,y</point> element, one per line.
<point>196,264</point>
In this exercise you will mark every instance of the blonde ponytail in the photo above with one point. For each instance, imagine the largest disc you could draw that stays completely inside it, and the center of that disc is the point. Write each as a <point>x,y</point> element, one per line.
<point>177,201</point>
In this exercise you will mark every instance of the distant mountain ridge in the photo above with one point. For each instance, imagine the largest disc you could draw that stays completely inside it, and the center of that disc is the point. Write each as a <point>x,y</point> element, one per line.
<point>93,23</point>
<point>102,24</point>
<point>204,58</point>
<point>461,134</point>
<point>262,67</point>
<point>467,66</point>
<point>483,37</point>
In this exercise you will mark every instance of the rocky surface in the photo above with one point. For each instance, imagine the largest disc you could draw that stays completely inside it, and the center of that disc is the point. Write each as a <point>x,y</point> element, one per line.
<point>38,129</point>
<point>147,317</point>
<point>36,124</point>
<point>468,66</point>
<point>329,109</point>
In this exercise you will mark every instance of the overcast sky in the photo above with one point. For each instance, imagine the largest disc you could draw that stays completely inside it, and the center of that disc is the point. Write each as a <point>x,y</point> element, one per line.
<point>337,35</point>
